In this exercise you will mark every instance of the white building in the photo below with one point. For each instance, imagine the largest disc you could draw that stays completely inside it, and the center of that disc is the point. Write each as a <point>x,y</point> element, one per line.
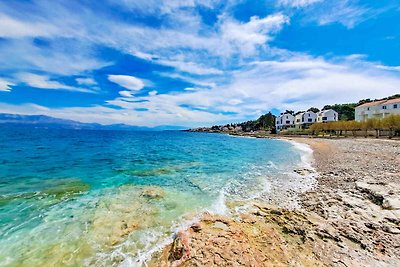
<point>327,116</point>
<point>284,121</point>
<point>377,109</point>
<point>304,119</point>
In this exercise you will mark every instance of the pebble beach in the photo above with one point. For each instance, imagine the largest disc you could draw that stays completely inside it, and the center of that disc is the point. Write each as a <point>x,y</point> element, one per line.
<point>351,217</point>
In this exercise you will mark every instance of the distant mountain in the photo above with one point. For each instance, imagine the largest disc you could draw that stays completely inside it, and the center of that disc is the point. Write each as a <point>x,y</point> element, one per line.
<point>43,121</point>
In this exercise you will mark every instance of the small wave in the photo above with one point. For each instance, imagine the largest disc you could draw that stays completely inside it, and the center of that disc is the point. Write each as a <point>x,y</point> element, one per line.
<point>219,207</point>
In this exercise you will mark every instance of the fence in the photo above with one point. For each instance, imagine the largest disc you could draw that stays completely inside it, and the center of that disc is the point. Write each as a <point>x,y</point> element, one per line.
<point>388,126</point>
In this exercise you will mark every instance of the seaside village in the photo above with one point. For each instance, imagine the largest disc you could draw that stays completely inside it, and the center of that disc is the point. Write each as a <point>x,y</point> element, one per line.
<point>371,110</point>
<point>303,120</point>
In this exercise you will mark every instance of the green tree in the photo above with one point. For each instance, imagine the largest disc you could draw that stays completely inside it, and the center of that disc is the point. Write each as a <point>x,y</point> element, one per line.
<point>315,110</point>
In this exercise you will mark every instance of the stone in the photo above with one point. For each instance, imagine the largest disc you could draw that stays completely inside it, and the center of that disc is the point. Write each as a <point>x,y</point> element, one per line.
<point>196,227</point>
<point>152,193</point>
<point>391,203</point>
<point>221,225</point>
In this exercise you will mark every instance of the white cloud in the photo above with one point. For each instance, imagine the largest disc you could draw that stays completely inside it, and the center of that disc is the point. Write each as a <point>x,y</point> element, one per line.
<point>297,3</point>
<point>5,86</point>
<point>62,59</point>
<point>43,82</point>
<point>393,68</point>
<point>179,64</point>
<point>12,28</point>
<point>86,81</point>
<point>162,7</point>
<point>297,84</point>
<point>346,12</point>
<point>189,67</point>
<point>126,93</point>
<point>246,36</point>
<point>128,82</point>
<point>154,92</point>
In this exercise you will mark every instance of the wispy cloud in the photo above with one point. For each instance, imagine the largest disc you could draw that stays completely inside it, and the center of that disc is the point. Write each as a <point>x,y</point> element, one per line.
<point>5,86</point>
<point>12,28</point>
<point>298,3</point>
<point>43,82</point>
<point>86,81</point>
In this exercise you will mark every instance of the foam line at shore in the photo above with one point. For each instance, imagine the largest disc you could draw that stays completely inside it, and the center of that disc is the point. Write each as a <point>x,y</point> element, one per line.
<point>307,159</point>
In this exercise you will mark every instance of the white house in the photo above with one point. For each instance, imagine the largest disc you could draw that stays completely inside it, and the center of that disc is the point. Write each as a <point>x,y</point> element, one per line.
<point>327,116</point>
<point>304,119</point>
<point>377,109</point>
<point>284,121</point>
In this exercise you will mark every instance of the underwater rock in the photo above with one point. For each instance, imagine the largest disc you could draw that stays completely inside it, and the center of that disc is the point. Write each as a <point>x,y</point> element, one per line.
<point>153,193</point>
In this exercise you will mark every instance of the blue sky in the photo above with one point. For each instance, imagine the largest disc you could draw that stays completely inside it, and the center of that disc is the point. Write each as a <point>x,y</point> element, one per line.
<point>193,62</point>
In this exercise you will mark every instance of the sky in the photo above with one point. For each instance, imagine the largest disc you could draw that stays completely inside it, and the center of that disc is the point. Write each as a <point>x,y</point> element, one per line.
<point>193,62</point>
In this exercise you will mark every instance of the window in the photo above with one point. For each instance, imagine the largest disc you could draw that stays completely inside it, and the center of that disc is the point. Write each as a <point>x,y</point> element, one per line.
<point>287,122</point>
<point>395,106</point>
<point>309,120</point>
<point>367,108</point>
<point>383,107</point>
<point>324,118</point>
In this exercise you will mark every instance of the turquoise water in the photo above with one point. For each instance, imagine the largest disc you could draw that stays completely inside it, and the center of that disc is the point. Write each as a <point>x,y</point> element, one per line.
<point>109,198</point>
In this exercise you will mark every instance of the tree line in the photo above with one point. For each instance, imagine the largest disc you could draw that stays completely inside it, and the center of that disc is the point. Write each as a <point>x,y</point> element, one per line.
<point>264,122</point>
<point>390,123</point>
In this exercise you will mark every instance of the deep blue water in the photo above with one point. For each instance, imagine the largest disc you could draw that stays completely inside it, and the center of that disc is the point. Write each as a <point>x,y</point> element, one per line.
<point>77,197</point>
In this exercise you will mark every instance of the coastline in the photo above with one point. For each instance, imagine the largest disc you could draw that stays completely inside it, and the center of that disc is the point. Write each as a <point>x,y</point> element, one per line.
<point>350,218</point>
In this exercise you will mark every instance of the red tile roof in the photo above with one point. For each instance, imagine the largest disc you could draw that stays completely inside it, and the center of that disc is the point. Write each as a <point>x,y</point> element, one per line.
<point>380,102</point>
<point>392,101</point>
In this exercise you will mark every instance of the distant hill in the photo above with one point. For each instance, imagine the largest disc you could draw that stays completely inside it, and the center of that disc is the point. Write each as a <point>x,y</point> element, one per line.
<point>42,121</point>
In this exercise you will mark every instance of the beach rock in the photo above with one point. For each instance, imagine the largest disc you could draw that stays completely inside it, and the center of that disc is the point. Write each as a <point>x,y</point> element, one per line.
<point>391,203</point>
<point>221,225</point>
<point>196,227</point>
<point>303,172</point>
<point>180,250</point>
<point>375,192</point>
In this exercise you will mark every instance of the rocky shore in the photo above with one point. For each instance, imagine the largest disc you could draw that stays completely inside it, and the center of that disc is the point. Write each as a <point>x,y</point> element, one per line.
<point>351,218</point>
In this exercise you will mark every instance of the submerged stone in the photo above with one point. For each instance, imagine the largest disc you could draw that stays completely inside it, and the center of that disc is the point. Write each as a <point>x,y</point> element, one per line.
<point>153,193</point>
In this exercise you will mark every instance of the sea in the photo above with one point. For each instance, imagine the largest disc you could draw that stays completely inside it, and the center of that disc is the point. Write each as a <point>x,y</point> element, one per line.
<point>113,198</point>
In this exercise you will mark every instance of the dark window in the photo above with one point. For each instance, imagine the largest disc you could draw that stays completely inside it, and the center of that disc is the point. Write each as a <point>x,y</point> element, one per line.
<point>324,118</point>
<point>367,108</point>
<point>309,120</point>
<point>395,106</point>
<point>287,122</point>
<point>383,107</point>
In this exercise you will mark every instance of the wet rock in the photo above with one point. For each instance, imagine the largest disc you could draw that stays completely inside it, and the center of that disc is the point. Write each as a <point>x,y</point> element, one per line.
<point>180,250</point>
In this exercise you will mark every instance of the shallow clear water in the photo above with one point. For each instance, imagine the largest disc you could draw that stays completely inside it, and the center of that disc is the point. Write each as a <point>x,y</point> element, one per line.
<point>104,198</point>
